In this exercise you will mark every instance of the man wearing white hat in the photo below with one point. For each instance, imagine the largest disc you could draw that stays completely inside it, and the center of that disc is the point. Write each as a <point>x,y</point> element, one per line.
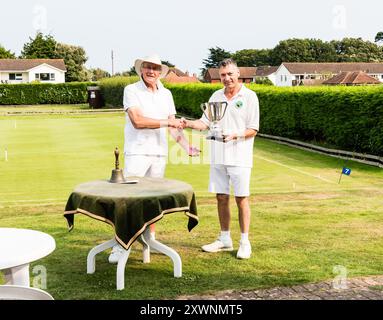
<point>150,109</point>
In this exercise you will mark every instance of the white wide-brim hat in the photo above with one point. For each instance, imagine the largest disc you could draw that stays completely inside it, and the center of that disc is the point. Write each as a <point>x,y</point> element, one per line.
<point>155,59</point>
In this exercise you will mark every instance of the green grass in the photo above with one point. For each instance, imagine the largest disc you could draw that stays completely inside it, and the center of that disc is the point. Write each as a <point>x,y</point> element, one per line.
<point>17,109</point>
<point>303,222</point>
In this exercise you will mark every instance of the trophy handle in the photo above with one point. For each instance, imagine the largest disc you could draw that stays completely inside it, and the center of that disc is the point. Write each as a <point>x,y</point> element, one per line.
<point>224,111</point>
<point>203,108</point>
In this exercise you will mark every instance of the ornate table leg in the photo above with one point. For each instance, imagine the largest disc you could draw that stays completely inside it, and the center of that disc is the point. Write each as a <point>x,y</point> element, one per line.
<point>171,253</point>
<point>91,259</point>
<point>17,275</point>
<point>121,269</point>
<point>145,249</point>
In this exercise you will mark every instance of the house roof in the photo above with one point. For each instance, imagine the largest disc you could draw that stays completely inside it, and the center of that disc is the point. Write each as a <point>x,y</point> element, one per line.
<point>178,72</point>
<point>27,64</point>
<point>264,71</point>
<point>245,72</point>
<point>332,67</point>
<point>174,78</point>
<point>356,77</point>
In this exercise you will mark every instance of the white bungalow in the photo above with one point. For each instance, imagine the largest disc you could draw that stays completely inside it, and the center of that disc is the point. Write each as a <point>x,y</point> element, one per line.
<point>28,70</point>
<point>294,73</point>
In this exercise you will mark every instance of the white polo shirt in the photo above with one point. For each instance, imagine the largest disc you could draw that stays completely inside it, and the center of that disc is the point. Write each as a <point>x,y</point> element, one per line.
<point>242,113</point>
<point>155,105</point>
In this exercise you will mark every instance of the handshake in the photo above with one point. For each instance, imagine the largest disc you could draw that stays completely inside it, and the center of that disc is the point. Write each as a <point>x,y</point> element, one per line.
<point>179,123</point>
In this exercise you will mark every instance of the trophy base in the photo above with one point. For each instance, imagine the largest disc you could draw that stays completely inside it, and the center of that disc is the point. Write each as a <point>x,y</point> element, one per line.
<point>215,138</point>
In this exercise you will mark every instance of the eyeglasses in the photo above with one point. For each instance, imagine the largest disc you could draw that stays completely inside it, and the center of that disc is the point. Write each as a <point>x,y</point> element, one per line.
<point>153,67</point>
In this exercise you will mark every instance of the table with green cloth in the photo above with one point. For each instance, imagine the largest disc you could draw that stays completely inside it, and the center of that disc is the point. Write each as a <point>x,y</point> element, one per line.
<point>130,208</point>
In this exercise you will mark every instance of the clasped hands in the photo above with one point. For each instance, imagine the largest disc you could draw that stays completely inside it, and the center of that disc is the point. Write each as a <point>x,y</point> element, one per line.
<point>182,123</point>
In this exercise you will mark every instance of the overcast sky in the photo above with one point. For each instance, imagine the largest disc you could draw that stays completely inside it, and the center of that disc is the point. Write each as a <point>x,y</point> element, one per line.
<point>182,31</point>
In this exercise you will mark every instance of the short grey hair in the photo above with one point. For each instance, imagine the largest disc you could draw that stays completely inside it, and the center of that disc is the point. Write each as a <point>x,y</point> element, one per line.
<point>226,62</point>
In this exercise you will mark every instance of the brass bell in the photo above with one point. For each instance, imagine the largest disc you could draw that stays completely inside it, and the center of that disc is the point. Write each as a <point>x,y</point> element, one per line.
<point>117,175</point>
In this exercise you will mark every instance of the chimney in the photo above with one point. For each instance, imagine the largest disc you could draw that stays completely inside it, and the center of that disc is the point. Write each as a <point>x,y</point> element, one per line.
<point>187,73</point>
<point>194,75</point>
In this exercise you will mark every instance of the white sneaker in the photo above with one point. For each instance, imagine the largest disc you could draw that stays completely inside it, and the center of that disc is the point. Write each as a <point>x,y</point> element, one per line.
<point>116,253</point>
<point>244,250</point>
<point>218,245</point>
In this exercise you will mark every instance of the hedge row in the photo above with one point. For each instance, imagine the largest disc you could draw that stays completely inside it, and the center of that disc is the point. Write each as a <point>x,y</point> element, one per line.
<point>348,118</point>
<point>112,89</point>
<point>44,93</point>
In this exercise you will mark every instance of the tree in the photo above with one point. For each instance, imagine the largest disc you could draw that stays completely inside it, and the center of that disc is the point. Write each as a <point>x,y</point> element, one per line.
<point>167,63</point>
<point>303,50</point>
<point>6,54</point>
<point>216,55</point>
<point>379,37</point>
<point>98,74</point>
<point>253,57</point>
<point>357,50</point>
<point>41,47</point>
<point>74,58</point>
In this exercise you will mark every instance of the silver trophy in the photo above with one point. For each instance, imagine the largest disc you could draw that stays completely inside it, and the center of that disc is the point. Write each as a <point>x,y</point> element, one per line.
<point>214,112</point>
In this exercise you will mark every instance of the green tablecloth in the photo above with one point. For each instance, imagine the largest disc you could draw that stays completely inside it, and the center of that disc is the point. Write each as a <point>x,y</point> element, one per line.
<point>129,208</point>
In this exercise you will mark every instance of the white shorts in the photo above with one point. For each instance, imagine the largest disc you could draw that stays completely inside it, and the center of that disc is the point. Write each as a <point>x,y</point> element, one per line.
<point>221,177</point>
<point>144,166</point>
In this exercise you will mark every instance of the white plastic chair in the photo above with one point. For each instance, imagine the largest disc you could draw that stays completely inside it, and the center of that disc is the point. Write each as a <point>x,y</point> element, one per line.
<point>11,292</point>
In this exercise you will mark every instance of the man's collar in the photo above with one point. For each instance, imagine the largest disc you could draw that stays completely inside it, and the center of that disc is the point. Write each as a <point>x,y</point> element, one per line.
<point>240,93</point>
<point>143,85</point>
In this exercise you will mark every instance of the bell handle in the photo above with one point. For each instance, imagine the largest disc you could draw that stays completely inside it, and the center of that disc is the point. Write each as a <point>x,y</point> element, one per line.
<point>116,154</point>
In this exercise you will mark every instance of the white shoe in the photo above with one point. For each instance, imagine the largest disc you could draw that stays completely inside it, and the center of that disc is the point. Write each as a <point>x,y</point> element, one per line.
<point>218,245</point>
<point>116,253</point>
<point>244,250</point>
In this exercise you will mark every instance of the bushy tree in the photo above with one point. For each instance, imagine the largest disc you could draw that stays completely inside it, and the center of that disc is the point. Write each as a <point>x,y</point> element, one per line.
<point>167,63</point>
<point>40,47</point>
<point>303,50</point>
<point>74,58</point>
<point>357,50</point>
<point>6,54</point>
<point>216,55</point>
<point>97,74</point>
<point>379,37</point>
<point>253,57</point>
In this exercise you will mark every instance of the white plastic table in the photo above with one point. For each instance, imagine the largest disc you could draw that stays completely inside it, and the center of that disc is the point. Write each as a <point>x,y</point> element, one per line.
<point>19,247</point>
<point>130,209</point>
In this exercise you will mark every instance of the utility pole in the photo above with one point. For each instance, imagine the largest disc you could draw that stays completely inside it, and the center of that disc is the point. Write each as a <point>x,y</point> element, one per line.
<point>112,64</point>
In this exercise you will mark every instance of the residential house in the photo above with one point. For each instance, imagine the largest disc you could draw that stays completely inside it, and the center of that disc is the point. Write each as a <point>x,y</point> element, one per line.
<point>177,76</point>
<point>266,72</point>
<point>28,70</point>
<point>352,79</point>
<point>246,75</point>
<point>293,73</point>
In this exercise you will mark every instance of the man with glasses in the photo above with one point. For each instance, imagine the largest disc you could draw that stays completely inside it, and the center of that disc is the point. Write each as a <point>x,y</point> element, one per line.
<point>232,159</point>
<point>150,109</point>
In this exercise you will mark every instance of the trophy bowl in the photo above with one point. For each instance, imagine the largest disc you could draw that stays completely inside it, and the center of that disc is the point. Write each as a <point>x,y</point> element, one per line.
<point>214,112</point>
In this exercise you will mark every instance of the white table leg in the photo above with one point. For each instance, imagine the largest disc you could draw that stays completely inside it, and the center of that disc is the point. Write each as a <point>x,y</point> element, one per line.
<point>121,269</point>
<point>91,259</point>
<point>171,253</point>
<point>18,275</point>
<point>145,249</point>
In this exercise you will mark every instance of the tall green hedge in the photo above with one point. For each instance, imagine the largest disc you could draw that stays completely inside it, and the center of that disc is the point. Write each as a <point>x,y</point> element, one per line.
<point>44,93</point>
<point>348,118</point>
<point>112,89</point>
